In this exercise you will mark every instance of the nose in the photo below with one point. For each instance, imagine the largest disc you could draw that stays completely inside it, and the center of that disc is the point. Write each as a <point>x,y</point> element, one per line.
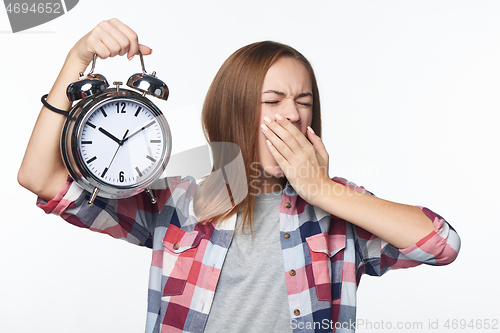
<point>290,111</point>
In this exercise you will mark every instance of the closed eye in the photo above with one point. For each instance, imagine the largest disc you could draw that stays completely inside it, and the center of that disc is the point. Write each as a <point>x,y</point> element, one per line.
<point>271,102</point>
<point>305,104</point>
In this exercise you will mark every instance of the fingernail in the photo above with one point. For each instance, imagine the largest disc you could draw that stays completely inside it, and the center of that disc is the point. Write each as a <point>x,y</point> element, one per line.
<point>278,117</point>
<point>309,128</point>
<point>130,58</point>
<point>267,119</point>
<point>264,127</point>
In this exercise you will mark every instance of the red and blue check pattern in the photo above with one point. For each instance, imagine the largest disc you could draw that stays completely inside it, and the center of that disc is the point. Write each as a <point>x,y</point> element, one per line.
<point>324,256</point>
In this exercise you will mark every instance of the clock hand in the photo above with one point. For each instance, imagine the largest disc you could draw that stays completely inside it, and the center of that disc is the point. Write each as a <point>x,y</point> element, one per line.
<point>138,131</point>
<point>107,168</point>
<point>111,136</point>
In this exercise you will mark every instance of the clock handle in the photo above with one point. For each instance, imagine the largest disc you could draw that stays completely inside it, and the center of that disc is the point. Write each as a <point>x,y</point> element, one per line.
<point>151,195</point>
<point>142,62</point>
<point>91,74</point>
<point>93,65</point>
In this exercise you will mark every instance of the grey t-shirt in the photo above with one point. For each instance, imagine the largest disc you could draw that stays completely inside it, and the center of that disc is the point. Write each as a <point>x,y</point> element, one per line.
<point>251,294</point>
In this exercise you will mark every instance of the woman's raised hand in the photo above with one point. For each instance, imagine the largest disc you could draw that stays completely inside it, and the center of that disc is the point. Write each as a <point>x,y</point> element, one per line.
<point>42,170</point>
<point>108,39</point>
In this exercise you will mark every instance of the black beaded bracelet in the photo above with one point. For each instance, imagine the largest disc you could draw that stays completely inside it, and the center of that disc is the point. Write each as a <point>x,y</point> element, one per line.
<point>51,108</point>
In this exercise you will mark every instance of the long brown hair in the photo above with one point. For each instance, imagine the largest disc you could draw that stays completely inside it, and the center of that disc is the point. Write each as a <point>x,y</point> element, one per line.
<point>231,113</point>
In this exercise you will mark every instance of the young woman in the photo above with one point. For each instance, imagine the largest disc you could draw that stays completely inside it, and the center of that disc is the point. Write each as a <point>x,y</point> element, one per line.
<point>287,256</point>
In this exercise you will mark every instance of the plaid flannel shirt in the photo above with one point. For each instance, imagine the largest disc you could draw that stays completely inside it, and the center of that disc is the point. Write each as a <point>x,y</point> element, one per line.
<point>324,256</point>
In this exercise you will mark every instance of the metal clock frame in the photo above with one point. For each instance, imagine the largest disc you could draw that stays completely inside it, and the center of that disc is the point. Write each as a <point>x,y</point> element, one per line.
<point>71,153</point>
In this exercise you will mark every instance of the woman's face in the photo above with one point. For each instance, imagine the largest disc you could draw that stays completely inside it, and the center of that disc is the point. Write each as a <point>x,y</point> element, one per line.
<point>287,91</point>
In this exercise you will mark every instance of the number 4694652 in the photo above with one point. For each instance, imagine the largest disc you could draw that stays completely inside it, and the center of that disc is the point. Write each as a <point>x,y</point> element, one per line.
<point>477,324</point>
<point>42,7</point>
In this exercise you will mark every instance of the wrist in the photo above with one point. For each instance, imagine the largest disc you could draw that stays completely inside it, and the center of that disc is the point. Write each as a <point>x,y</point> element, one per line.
<point>75,62</point>
<point>320,195</point>
<point>332,196</point>
<point>69,73</point>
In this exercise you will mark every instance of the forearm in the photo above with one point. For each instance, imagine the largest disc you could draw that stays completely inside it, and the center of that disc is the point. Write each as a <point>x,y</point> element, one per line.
<point>42,170</point>
<point>398,224</point>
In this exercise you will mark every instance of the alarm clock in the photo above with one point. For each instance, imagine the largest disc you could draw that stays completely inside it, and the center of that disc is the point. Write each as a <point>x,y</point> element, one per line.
<point>115,142</point>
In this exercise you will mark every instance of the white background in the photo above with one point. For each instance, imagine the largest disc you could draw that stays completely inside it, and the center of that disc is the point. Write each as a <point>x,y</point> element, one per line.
<point>410,99</point>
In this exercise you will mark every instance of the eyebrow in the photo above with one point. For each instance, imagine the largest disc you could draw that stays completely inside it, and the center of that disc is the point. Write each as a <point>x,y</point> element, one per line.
<point>280,93</point>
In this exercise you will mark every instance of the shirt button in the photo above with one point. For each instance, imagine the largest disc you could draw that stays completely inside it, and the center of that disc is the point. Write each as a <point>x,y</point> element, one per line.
<point>176,246</point>
<point>296,312</point>
<point>286,235</point>
<point>292,272</point>
<point>287,205</point>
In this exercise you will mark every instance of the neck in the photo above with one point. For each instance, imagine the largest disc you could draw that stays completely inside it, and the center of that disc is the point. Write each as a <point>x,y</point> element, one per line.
<point>271,184</point>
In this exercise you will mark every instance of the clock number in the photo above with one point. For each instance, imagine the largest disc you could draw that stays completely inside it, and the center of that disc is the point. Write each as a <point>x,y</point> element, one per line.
<point>118,107</point>
<point>122,176</point>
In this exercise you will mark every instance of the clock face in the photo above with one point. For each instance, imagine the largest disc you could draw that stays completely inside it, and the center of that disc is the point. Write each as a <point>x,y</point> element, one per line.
<point>122,142</point>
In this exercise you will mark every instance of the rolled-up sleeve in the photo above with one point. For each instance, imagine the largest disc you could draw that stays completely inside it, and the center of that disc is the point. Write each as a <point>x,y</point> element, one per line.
<point>67,196</point>
<point>132,219</point>
<point>375,256</point>
<point>440,247</point>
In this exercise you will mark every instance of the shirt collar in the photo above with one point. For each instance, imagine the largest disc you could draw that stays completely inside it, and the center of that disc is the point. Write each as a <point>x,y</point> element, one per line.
<point>289,190</point>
